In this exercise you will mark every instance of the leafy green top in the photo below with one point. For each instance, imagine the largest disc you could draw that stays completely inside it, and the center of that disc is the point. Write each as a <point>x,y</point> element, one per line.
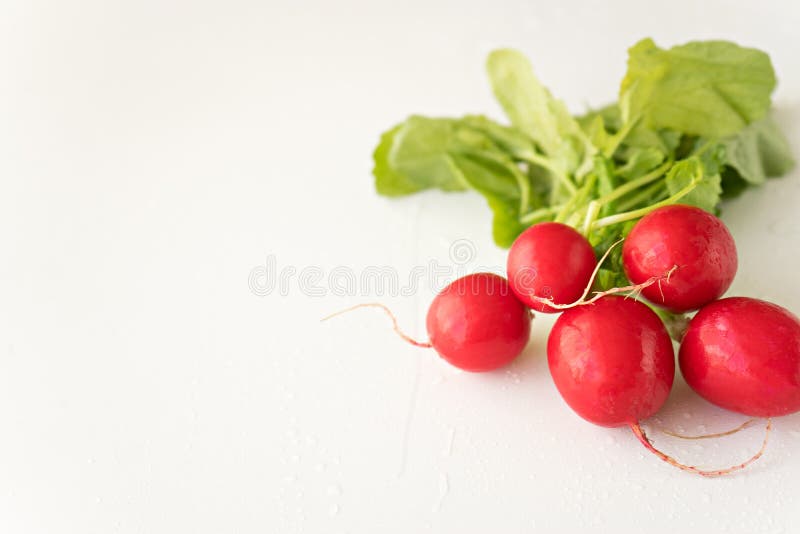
<point>691,125</point>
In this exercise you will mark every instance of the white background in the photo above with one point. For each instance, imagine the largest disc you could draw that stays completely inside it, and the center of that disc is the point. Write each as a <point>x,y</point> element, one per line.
<point>152,153</point>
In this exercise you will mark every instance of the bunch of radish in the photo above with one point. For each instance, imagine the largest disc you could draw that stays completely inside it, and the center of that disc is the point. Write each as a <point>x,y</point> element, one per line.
<point>610,355</point>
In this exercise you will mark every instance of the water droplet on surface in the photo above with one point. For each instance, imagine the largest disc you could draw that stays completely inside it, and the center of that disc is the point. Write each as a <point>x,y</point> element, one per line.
<point>334,489</point>
<point>333,511</point>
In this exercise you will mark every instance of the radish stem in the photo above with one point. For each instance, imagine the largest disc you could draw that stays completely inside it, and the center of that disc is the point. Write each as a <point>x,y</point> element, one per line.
<point>636,214</point>
<point>541,161</point>
<point>626,188</point>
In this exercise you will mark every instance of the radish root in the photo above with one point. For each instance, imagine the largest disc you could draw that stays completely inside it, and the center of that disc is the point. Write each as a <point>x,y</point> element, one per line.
<point>632,290</point>
<point>396,327</point>
<point>638,431</point>
<point>730,432</point>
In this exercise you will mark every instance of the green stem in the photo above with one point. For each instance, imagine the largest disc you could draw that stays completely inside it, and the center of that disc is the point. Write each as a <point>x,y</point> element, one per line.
<point>524,187</point>
<point>627,187</point>
<point>577,199</point>
<point>620,136</point>
<point>676,323</point>
<point>538,215</point>
<point>591,215</point>
<point>650,193</point>
<point>635,214</point>
<point>541,161</point>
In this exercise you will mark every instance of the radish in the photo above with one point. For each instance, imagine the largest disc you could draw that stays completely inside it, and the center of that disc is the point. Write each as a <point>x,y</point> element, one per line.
<point>695,243</point>
<point>550,261</point>
<point>743,354</point>
<point>613,363</point>
<point>476,323</point>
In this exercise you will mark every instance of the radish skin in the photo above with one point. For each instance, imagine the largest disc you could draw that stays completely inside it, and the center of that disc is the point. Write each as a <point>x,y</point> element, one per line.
<point>478,324</point>
<point>550,263</point>
<point>612,361</point>
<point>743,354</point>
<point>695,241</point>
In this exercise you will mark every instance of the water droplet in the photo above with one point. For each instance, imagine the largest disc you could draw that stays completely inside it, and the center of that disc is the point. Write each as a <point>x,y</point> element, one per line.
<point>333,511</point>
<point>334,489</point>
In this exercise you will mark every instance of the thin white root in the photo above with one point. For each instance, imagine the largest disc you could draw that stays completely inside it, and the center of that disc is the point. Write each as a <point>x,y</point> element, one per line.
<point>396,327</point>
<point>642,437</point>
<point>730,432</point>
<point>632,290</point>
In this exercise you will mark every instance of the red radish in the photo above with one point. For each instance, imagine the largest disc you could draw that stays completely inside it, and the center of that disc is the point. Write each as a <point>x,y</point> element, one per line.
<point>686,237</point>
<point>743,354</point>
<point>612,361</point>
<point>550,260</point>
<point>477,324</point>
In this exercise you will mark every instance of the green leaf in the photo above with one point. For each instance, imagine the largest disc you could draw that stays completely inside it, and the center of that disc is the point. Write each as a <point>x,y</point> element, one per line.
<point>707,190</point>
<point>642,137</point>
<point>413,156</point>
<point>640,161</point>
<point>706,88</point>
<point>759,151</point>
<point>511,140</point>
<point>388,182</point>
<point>498,182</point>
<point>610,115</point>
<point>419,153</point>
<point>505,223</point>
<point>596,130</point>
<point>732,184</point>
<point>533,110</point>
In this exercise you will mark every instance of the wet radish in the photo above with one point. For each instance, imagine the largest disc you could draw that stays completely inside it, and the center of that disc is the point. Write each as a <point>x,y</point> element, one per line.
<point>743,354</point>
<point>694,243</point>
<point>476,323</point>
<point>613,363</point>
<point>550,261</point>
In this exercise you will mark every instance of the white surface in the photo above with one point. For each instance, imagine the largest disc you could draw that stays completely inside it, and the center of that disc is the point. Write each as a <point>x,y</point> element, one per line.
<point>153,153</point>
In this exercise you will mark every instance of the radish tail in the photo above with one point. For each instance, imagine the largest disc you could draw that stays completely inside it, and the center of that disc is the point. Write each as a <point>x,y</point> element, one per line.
<point>638,431</point>
<point>396,327</point>
<point>732,431</point>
